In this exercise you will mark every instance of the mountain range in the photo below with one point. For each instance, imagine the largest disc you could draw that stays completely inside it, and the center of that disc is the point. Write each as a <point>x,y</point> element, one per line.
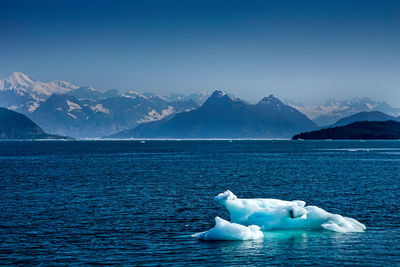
<point>66,109</point>
<point>223,116</point>
<point>63,108</point>
<point>21,93</point>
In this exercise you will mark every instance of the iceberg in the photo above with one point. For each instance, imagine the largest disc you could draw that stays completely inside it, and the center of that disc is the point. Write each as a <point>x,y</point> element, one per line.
<point>251,216</point>
<point>225,230</point>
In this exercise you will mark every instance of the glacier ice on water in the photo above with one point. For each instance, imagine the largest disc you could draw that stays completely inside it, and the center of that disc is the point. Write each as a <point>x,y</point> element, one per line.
<point>225,230</point>
<point>273,214</point>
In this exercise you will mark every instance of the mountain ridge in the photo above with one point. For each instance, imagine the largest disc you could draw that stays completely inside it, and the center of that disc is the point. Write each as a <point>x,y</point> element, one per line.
<point>360,130</point>
<point>90,112</point>
<point>224,116</point>
<point>364,116</point>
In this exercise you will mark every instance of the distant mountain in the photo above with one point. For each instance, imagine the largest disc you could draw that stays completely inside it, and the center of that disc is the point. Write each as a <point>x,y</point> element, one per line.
<point>130,111</point>
<point>81,111</point>
<point>66,115</point>
<point>14,125</point>
<point>199,97</point>
<point>334,109</point>
<point>292,103</point>
<point>223,116</point>
<point>86,92</point>
<point>20,92</point>
<point>80,118</point>
<point>364,116</point>
<point>67,109</point>
<point>362,130</point>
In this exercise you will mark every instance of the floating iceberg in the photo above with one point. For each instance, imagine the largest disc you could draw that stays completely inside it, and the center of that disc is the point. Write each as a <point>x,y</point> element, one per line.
<point>273,214</point>
<point>225,230</point>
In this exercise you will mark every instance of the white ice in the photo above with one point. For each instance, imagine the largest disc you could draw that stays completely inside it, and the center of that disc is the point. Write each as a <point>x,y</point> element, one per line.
<point>275,214</point>
<point>224,230</point>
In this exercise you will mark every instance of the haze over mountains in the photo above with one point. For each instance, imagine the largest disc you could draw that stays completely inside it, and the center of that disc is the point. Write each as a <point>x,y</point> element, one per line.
<point>334,109</point>
<point>63,108</point>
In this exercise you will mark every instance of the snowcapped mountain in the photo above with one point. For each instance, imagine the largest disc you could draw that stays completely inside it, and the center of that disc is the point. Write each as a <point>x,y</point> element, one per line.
<point>20,92</point>
<point>64,114</point>
<point>80,111</point>
<point>223,116</point>
<point>68,115</point>
<point>334,109</point>
<point>66,109</point>
<point>23,83</point>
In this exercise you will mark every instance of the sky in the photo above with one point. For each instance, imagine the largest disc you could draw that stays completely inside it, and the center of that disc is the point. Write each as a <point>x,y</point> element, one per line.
<point>306,51</point>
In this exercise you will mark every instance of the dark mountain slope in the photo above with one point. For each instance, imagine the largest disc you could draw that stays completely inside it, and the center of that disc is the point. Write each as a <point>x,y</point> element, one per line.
<point>364,130</point>
<point>14,125</point>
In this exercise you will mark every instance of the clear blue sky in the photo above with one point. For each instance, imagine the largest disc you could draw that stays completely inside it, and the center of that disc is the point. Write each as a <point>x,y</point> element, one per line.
<point>304,50</point>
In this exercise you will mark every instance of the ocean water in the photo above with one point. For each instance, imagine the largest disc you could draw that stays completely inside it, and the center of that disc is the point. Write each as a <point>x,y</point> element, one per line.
<point>137,203</point>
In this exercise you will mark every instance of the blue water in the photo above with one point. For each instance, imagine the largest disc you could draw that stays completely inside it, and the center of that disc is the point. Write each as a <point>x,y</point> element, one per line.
<point>133,203</point>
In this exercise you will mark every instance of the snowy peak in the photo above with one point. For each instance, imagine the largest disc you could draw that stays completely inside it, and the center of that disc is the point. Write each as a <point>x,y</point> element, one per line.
<point>18,79</point>
<point>218,93</point>
<point>271,100</point>
<point>222,95</point>
<point>219,99</point>
<point>21,82</point>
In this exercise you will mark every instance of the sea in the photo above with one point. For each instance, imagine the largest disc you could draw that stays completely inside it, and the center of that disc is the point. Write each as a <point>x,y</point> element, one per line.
<point>138,202</point>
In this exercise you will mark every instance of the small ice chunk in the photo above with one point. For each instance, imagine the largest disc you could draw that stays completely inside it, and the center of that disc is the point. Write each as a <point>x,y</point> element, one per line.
<point>224,230</point>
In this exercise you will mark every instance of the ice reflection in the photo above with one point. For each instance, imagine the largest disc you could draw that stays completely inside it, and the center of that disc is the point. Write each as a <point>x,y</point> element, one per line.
<point>274,242</point>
